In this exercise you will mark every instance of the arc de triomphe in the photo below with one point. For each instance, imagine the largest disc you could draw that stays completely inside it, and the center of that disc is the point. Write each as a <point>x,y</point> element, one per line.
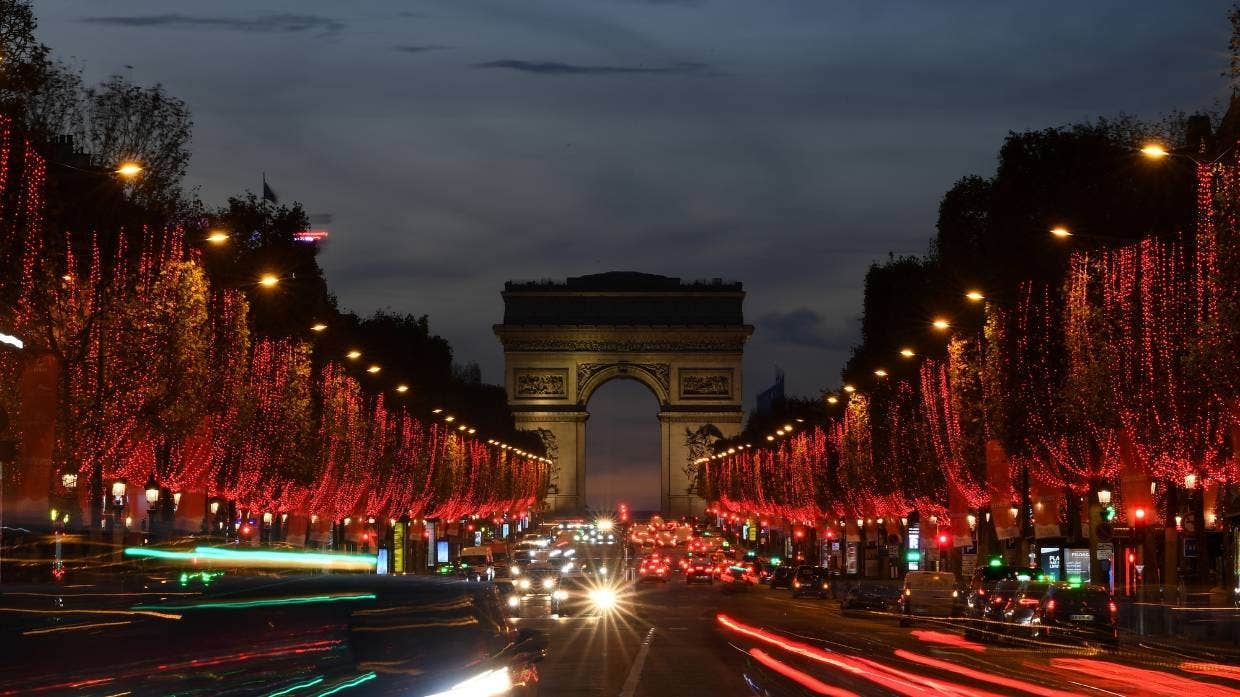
<point>684,341</point>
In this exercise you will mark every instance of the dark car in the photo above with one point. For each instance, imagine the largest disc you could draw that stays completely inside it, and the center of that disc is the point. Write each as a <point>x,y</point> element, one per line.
<point>811,580</point>
<point>1023,598</point>
<point>1076,613</point>
<point>380,634</point>
<point>870,596</point>
<point>736,579</point>
<point>987,596</point>
<point>781,577</point>
<point>700,570</point>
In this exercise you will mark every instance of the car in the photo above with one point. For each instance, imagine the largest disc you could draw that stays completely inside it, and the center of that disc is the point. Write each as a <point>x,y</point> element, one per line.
<point>699,570</point>
<point>538,581</point>
<point>394,634</point>
<point>580,595</point>
<point>736,580</point>
<point>987,614</point>
<point>929,594</point>
<point>1023,598</point>
<point>868,596</point>
<point>781,577</point>
<point>1075,612</point>
<point>982,607</point>
<point>810,580</point>
<point>652,570</point>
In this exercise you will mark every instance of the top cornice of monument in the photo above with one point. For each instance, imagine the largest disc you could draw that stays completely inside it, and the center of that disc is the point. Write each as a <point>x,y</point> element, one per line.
<point>623,282</point>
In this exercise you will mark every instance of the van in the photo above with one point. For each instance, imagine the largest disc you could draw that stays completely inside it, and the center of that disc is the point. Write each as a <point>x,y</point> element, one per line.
<point>477,563</point>
<point>929,594</point>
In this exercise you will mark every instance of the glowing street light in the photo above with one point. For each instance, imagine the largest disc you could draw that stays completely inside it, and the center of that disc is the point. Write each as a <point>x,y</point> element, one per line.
<point>832,399</point>
<point>880,373</point>
<point>941,324</point>
<point>402,388</point>
<point>849,389</point>
<point>319,327</point>
<point>373,369</point>
<point>268,280</point>
<point>1061,232</point>
<point>218,237</point>
<point>975,296</point>
<point>1154,151</point>
<point>129,169</point>
<point>907,352</point>
<point>353,355</point>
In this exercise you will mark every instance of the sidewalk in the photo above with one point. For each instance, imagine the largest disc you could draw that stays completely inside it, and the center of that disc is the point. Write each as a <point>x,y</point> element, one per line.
<point>1219,626</point>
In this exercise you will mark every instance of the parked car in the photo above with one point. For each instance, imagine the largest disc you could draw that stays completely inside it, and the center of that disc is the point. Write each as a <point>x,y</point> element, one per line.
<point>781,577</point>
<point>877,597</point>
<point>810,580</point>
<point>929,594</point>
<point>1076,613</point>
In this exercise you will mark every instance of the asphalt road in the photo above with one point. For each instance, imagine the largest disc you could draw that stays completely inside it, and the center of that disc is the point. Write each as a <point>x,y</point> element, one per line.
<point>670,641</point>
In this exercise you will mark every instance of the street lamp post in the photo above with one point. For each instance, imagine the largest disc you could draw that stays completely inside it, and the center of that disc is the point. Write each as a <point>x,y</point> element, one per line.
<point>152,498</point>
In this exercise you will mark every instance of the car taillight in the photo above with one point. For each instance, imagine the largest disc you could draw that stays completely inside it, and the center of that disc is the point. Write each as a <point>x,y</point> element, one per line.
<point>996,600</point>
<point>1028,602</point>
<point>1114,608</point>
<point>796,584</point>
<point>1050,606</point>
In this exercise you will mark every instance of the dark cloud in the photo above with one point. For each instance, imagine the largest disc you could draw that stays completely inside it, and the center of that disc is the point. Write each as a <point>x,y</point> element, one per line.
<point>273,23</point>
<point>409,48</point>
<point>801,327</point>
<point>556,68</point>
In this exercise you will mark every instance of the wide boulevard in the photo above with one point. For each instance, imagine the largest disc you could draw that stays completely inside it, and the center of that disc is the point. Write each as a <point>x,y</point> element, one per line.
<point>679,639</point>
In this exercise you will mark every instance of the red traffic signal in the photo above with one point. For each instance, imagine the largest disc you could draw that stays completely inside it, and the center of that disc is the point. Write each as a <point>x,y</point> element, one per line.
<point>944,540</point>
<point>1139,515</point>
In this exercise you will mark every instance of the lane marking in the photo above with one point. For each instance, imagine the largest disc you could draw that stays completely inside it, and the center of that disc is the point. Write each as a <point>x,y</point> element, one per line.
<point>635,673</point>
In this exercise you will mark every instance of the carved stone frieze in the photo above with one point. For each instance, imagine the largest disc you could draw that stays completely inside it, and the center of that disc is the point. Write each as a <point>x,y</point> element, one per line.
<point>535,383</point>
<point>705,383</point>
<point>660,373</point>
<point>610,340</point>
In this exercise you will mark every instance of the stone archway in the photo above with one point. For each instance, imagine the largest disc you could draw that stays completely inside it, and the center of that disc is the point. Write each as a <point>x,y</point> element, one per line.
<point>684,341</point>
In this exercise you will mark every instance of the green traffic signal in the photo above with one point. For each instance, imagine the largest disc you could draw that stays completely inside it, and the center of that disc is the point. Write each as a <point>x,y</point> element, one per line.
<point>1108,513</point>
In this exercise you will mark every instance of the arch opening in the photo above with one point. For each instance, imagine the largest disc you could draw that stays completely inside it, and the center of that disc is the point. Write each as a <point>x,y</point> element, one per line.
<point>622,446</point>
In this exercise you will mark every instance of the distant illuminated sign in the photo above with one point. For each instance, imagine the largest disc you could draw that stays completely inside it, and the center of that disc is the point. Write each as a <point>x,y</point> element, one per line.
<point>11,341</point>
<point>398,548</point>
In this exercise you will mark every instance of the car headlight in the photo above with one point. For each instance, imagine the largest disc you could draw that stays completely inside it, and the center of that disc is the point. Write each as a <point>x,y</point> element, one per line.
<point>826,586</point>
<point>560,595</point>
<point>548,583</point>
<point>567,567</point>
<point>523,584</point>
<point>602,570</point>
<point>514,570</point>
<point>514,600</point>
<point>603,598</point>
<point>955,594</point>
<point>488,684</point>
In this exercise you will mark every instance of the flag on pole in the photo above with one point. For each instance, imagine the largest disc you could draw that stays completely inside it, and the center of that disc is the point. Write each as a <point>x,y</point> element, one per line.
<point>268,194</point>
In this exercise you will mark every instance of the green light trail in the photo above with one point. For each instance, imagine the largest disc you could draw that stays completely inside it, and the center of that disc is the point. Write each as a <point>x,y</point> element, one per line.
<point>265,602</point>
<point>293,688</point>
<point>346,685</point>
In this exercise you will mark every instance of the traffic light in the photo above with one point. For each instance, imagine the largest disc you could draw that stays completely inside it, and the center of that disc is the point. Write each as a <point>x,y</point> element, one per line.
<point>944,540</point>
<point>1108,513</point>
